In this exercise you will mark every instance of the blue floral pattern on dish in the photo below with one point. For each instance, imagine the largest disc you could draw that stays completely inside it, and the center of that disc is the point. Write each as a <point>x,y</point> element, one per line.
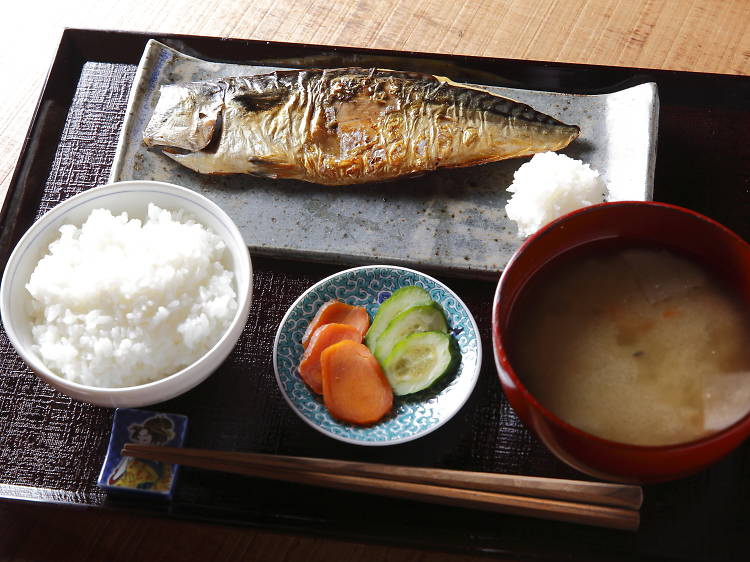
<point>412,416</point>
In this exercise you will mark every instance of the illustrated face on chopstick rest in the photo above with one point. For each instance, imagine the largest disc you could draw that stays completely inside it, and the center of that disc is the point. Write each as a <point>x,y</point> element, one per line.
<point>125,474</point>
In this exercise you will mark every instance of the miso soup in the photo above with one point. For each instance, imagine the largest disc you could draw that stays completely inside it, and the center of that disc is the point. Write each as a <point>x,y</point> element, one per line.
<point>634,345</point>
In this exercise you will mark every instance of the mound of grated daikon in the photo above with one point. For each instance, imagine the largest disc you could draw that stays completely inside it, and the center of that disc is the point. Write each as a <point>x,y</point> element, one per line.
<point>549,186</point>
<point>120,302</point>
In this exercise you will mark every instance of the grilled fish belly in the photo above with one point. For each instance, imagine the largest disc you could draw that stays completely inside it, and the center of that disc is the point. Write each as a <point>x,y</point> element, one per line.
<point>344,126</point>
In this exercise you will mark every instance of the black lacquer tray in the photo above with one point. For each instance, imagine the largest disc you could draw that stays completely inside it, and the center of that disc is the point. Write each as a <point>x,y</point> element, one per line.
<point>51,447</point>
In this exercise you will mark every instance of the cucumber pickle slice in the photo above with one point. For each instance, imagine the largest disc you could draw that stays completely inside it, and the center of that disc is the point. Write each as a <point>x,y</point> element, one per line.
<point>400,300</point>
<point>427,318</point>
<point>419,361</point>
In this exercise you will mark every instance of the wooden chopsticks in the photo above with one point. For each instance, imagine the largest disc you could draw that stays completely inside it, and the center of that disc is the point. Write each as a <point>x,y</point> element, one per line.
<point>590,503</point>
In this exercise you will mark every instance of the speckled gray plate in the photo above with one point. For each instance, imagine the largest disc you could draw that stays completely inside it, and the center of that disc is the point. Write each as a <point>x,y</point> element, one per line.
<point>450,220</point>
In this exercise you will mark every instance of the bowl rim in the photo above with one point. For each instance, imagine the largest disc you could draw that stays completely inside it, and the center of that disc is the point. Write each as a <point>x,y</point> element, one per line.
<point>502,364</point>
<point>471,385</point>
<point>40,225</point>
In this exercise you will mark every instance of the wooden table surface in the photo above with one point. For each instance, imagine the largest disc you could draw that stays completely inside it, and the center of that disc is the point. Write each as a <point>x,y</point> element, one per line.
<point>691,35</point>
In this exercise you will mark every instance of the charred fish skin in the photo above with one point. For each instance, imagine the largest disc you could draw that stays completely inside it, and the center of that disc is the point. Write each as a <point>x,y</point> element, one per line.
<point>344,126</point>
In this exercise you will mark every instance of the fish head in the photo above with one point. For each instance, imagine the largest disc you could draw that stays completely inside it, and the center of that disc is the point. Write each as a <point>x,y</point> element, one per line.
<point>186,117</point>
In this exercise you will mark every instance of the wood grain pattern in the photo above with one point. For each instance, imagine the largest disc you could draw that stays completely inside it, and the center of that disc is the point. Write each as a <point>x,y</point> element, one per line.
<point>488,492</point>
<point>599,493</point>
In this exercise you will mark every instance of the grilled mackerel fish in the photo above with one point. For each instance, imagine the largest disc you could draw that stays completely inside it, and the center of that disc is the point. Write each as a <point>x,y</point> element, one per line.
<point>344,126</point>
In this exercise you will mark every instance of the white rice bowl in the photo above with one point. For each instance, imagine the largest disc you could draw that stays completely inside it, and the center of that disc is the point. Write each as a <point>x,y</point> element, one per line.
<point>119,302</point>
<point>549,186</point>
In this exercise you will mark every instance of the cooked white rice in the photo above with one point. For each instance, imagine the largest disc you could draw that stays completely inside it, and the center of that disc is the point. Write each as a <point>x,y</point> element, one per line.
<point>549,186</point>
<point>120,302</point>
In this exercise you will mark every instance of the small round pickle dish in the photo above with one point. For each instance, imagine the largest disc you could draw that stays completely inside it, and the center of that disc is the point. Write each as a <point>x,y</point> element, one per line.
<point>412,416</point>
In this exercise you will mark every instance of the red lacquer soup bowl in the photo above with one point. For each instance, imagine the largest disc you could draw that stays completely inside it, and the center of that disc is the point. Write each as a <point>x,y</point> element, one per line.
<point>718,249</point>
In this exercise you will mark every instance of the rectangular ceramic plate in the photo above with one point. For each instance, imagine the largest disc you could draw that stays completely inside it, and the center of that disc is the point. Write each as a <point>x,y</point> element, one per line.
<point>450,220</point>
